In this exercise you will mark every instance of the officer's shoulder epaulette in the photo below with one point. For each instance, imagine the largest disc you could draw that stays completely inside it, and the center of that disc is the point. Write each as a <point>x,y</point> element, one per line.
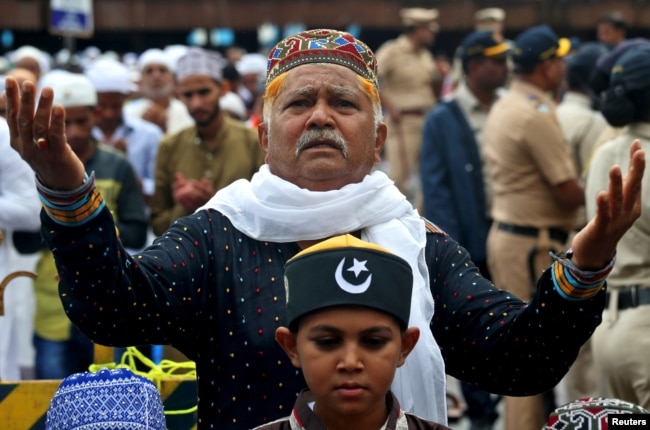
<point>539,104</point>
<point>431,227</point>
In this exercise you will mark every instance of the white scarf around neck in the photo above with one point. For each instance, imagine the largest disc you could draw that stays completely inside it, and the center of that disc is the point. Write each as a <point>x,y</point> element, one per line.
<point>269,208</point>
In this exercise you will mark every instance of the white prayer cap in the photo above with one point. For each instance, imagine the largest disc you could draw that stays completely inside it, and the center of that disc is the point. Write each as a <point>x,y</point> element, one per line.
<point>174,53</point>
<point>231,102</point>
<point>130,59</point>
<point>48,78</point>
<point>109,76</point>
<point>199,61</point>
<point>92,52</point>
<point>28,51</point>
<point>70,89</point>
<point>154,56</point>
<point>252,63</point>
<point>110,54</point>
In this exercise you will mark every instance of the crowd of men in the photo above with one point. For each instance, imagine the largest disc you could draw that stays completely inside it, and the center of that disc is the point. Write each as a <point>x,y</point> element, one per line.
<point>501,150</point>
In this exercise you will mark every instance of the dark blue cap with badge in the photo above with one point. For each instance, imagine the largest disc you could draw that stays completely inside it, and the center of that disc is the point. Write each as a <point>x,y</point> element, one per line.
<point>481,43</point>
<point>346,271</point>
<point>538,44</point>
<point>627,99</point>
<point>599,79</point>
<point>581,64</point>
<point>632,70</point>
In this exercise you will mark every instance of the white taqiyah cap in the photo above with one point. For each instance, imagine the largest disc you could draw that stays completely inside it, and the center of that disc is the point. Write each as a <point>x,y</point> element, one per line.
<point>233,103</point>
<point>155,56</point>
<point>109,76</point>
<point>28,51</point>
<point>70,89</point>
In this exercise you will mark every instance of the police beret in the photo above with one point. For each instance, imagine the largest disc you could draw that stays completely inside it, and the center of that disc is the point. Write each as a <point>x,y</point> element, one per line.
<point>538,44</point>
<point>482,44</point>
<point>582,63</point>
<point>344,271</point>
<point>632,70</point>
<point>599,79</point>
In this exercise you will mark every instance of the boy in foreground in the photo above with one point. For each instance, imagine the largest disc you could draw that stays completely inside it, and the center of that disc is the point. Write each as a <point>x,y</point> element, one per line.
<point>348,307</point>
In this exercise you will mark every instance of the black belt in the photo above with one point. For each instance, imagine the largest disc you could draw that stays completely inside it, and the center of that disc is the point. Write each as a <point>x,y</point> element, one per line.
<point>556,234</point>
<point>631,297</point>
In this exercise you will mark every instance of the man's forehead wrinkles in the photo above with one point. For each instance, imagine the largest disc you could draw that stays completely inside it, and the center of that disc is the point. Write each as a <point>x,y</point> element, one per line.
<point>311,89</point>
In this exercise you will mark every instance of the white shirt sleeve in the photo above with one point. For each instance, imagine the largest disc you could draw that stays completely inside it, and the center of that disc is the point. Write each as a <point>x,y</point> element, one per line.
<point>19,203</point>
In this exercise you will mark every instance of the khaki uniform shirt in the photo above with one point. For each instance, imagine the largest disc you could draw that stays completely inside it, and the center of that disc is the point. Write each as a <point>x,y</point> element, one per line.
<point>237,156</point>
<point>526,157</point>
<point>407,75</point>
<point>581,126</point>
<point>632,264</point>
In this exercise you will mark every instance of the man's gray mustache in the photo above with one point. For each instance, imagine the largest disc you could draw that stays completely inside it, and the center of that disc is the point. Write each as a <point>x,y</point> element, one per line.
<point>325,134</point>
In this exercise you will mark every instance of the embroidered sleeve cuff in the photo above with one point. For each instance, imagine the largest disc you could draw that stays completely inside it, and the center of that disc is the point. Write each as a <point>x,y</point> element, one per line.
<point>576,284</point>
<point>72,207</point>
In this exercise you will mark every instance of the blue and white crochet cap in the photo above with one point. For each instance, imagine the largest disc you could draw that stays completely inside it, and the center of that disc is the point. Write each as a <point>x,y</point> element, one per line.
<point>106,400</point>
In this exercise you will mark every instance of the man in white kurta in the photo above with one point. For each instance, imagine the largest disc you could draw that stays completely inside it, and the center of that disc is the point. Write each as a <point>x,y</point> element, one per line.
<point>19,210</point>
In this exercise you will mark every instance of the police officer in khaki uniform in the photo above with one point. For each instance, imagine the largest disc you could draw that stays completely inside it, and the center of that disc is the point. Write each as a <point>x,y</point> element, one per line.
<point>581,125</point>
<point>410,83</point>
<point>621,344</point>
<point>490,19</point>
<point>536,192</point>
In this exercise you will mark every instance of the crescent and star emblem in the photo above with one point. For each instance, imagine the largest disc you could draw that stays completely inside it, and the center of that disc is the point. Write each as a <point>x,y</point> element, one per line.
<point>357,268</point>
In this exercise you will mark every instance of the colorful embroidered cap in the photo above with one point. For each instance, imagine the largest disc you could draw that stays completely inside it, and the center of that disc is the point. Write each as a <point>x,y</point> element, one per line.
<point>344,271</point>
<point>322,46</point>
<point>538,44</point>
<point>112,399</point>
<point>589,413</point>
<point>481,43</point>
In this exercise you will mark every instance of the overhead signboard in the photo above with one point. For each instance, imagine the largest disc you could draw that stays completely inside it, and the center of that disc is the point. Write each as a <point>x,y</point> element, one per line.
<point>71,17</point>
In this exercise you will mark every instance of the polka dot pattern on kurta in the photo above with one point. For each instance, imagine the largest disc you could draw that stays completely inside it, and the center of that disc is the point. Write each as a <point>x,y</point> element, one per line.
<point>218,297</point>
<point>469,304</point>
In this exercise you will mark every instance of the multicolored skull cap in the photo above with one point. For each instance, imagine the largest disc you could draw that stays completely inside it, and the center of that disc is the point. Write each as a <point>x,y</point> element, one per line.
<point>110,399</point>
<point>322,46</point>
<point>589,413</point>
